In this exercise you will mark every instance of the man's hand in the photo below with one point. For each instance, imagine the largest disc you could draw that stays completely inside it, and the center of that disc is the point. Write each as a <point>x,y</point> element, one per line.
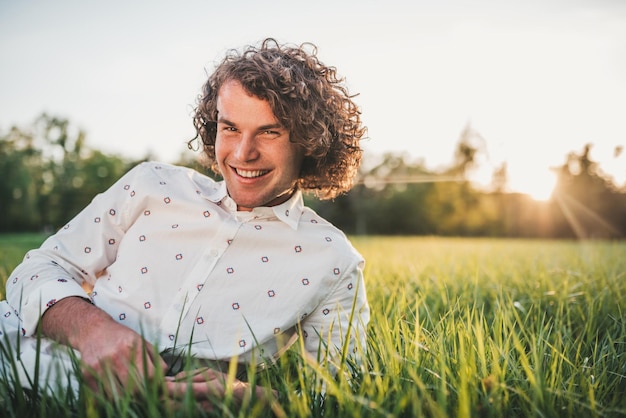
<point>112,356</point>
<point>208,385</point>
<point>117,359</point>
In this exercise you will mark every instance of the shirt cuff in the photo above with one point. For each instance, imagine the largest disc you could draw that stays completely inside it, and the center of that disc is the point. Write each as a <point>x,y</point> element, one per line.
<point>33,306</point>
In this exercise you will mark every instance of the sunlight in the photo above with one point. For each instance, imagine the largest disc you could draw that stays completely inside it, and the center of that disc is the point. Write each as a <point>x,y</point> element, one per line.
<point>537,184</point>
<point>584,222</point>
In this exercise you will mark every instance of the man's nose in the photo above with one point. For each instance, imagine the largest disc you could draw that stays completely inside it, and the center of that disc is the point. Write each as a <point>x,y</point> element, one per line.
<point>246,148</point>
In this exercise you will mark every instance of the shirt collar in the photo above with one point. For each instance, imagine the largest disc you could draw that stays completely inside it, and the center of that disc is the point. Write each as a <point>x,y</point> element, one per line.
<point>216,192</point>
<point>288,212</point>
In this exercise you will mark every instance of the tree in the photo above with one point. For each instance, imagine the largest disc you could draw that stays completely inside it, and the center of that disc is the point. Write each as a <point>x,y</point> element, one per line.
<point>21,170</point>
<point>50,174</point>
<point>586,203</point>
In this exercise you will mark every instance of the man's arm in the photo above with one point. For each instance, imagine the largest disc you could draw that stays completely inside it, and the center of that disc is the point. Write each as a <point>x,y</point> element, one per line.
<point>106,347</point>
<point>74,256</point>
<point>110,349</point>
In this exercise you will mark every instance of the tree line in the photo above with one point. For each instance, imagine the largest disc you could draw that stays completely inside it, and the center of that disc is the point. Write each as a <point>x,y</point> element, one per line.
<point>50,173</point>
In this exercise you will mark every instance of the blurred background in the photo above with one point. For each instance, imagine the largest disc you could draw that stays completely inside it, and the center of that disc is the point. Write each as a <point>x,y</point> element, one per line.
<point>484,118</point>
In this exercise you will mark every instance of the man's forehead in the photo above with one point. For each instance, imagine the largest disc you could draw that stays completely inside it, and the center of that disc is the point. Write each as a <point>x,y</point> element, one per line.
<point>235,104</point>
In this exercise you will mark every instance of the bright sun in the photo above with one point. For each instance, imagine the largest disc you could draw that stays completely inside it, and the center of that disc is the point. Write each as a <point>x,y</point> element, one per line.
<point>537,184</point>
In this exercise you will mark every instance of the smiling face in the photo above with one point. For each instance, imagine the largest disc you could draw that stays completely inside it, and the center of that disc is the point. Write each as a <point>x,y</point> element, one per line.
<point>258,162</point>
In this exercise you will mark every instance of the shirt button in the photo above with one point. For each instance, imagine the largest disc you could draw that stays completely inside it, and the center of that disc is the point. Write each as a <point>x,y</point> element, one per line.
<point>213,253</point>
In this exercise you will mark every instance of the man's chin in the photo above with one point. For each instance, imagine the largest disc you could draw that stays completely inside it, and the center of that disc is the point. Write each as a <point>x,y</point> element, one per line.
<point>247,204</point>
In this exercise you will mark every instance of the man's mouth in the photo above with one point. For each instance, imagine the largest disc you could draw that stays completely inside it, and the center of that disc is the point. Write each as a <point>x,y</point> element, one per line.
<point>250,174</point>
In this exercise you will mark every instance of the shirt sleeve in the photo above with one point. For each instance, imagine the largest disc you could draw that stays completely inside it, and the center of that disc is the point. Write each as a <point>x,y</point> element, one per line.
<point>338,326</point>
<point>73,257</point>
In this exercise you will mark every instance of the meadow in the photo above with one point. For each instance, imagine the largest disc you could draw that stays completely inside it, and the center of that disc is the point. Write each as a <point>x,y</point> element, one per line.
<point>459,327</point>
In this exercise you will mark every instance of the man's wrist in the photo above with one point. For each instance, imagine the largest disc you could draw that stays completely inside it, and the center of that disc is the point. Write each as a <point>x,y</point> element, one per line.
<point>71,319</point>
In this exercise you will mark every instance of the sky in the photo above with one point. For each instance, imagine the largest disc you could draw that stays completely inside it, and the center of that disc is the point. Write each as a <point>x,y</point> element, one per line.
<point>535,80</point>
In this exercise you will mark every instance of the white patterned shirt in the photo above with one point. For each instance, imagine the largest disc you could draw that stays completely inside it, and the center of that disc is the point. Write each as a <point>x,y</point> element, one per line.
<point>168,255</point>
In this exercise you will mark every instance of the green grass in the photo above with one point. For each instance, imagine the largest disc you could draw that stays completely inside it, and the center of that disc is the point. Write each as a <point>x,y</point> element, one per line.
<point>460,327</point>
<point>13,247</point>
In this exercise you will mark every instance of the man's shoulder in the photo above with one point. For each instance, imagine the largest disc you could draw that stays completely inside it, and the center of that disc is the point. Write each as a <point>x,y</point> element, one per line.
<point>312,218</point>
<point>167,170</point>
<point>155,177</point>
<point>320,229</point>
<point>162,167</point>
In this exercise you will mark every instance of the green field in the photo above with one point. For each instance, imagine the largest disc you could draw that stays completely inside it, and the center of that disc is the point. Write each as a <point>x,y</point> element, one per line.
<point>12,250</point>
<point>460,327</point>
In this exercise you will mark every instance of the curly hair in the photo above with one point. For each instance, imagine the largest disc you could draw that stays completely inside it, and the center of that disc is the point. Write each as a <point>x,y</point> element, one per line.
<point>307,97</point>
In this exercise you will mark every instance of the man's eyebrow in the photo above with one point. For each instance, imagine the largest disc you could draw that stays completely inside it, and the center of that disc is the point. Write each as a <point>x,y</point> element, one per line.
<point>276,125</point>
<point>221,119</point>
<point>271,126</point>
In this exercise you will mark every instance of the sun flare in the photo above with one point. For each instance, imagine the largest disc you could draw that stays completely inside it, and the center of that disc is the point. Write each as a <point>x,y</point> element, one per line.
<point>537,184</point>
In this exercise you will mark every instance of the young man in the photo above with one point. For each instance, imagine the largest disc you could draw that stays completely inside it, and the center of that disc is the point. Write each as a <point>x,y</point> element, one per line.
<point>178,263</point>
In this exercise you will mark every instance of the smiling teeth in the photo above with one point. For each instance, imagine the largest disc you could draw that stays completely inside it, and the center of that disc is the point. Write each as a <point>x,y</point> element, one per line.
<point>251,174</point>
